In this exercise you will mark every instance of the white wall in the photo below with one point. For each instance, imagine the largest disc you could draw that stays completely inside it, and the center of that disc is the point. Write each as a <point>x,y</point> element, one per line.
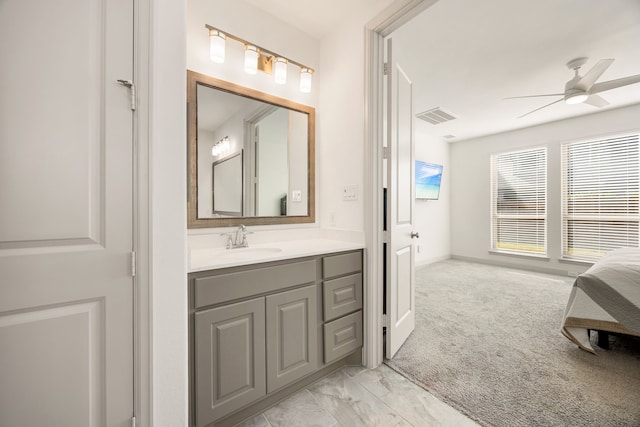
<point>243,20</point>
<point>470,184</point>
<point>273,179</point>
<point>234,129</point>
<point>167,234</point>
<point>432,217</point>
<point>341,122</point>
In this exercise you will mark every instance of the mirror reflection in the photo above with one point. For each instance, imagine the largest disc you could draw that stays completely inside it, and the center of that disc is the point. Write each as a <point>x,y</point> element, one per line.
<point>251,156</point>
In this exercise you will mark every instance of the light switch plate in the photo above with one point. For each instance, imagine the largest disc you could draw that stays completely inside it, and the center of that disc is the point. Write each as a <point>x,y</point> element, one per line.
<point>350,193</point>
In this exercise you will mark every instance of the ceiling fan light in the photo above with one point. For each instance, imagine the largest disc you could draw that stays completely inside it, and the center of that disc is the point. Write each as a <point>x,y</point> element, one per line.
<point>576,98</point>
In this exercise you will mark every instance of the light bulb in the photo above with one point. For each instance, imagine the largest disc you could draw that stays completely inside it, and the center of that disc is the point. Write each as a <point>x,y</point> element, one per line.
<point>251,59</point>
<point>305,80</point>
<point>280,71</point>
<point>217,46</point>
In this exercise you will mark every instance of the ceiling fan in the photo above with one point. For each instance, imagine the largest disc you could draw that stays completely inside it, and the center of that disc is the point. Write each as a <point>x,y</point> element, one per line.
<point>584,89</point>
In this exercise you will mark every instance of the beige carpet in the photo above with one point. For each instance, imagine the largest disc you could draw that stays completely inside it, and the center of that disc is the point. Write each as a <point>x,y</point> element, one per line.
<point>488,342</point>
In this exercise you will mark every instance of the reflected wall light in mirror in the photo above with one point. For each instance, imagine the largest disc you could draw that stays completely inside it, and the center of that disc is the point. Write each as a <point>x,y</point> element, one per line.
<point>275,180</point>
<point>221,147</point>
<point>258,58</point>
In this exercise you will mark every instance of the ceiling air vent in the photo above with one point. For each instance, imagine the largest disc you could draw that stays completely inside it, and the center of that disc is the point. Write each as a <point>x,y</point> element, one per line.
<point>435,116</point>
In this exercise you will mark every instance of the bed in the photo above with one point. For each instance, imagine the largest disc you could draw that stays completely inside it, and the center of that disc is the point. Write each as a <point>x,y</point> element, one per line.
<point>605,298</point>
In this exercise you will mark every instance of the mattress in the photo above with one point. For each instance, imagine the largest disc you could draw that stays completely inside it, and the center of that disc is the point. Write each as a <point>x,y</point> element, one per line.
<point>606,297</point>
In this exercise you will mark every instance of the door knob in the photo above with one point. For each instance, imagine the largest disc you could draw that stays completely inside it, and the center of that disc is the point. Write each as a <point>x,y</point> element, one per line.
<point>415,235</point>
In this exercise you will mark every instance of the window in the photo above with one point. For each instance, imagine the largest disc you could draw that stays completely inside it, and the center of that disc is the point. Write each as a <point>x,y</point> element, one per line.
<point>519,201</point>
<point>600,196</point>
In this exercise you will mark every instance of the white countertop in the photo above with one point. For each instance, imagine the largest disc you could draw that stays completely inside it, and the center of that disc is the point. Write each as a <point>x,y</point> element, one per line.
<point>215,258</point>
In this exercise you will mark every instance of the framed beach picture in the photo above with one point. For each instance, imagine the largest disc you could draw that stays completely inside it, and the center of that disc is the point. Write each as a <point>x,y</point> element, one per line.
<point>428,178</point>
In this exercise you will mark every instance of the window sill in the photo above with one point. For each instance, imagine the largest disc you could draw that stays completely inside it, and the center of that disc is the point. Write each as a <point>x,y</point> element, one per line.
<point>519,255</point>
<point>575,261</point>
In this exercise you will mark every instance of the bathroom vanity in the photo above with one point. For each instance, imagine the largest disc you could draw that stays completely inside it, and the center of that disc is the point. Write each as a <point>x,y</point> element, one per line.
<point>266,321</point>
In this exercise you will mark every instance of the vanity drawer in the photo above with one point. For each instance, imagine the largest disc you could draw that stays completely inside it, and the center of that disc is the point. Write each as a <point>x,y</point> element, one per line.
<point>338,265</point>
<point>221,288</point>
<point>342,336</point>
<point>341,296</point>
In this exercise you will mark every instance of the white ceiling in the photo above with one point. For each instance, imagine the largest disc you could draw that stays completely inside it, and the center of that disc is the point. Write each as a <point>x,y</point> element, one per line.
<point>466,56</point>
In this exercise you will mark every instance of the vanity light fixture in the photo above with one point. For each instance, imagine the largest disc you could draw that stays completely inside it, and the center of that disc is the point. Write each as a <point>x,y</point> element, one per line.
<point>280,71</point>
<point>305,80</point>
<point>258,58</point>
<point>221,147</point>
<point>217,46</point>
<point>251,56</point>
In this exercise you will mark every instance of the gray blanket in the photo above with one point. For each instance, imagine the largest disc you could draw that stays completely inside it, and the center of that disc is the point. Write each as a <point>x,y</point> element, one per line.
<point>606,297</point>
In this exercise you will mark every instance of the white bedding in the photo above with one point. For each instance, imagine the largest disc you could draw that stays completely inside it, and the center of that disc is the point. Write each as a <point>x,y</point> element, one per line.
<point>606,297</point>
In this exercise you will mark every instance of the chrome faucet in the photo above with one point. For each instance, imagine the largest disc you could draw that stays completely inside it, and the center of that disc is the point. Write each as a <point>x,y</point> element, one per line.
<point>238,239</point>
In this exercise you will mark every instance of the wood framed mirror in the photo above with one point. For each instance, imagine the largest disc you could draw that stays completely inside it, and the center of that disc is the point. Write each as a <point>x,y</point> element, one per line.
<point>276,136</point>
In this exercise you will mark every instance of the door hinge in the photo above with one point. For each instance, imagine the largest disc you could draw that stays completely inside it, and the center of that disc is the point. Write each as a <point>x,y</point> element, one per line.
<point>385,152</point>
<point>132,92</point>
<point>385,237</point>
<point>133,264</point>
<point>133,421</point>
<point>385,321</point>
<point>386,69</point>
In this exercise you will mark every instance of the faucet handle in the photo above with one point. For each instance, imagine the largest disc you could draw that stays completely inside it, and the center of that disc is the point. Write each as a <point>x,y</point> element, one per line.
<point>229,237</point>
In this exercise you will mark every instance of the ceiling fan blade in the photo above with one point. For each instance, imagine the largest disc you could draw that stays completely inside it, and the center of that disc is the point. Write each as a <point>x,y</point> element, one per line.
<point>535,96</point>
<point>544,106</point>
<point>594,74</point>
<point>612,84</point>
<point>596,101</point>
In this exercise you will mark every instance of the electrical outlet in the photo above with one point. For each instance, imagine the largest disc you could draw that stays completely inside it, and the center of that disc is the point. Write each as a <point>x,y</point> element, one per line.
<point>296,196</point>
<point>332,219</point>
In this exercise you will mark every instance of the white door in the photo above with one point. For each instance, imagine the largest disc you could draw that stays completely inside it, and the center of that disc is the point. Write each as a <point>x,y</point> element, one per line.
<point>400,279</point>
<point>66,305</point>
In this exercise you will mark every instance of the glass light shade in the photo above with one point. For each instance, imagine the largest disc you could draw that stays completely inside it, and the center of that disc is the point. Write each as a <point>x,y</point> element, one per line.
<point>251,59</point>
<point>305,80</point>
<point>280,71</point>
<point>217,46</point>
<point>577,98</point>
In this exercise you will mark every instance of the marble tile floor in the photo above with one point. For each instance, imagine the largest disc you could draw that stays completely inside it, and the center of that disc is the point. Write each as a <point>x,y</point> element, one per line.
<point>356,396</point>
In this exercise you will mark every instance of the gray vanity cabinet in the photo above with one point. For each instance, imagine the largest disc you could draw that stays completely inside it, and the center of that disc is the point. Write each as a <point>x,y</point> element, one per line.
<point>292,343</point>
<point>342,297</point>
<point>230,353</point>
<point>259,332</point>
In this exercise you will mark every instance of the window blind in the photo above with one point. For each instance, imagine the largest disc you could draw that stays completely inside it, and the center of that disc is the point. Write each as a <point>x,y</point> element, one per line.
<point>519,201</point>
<point>600,181</point>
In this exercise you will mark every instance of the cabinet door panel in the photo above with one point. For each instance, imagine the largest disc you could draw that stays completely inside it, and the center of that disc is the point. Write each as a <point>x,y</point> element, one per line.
<point>292,338</point>
<point>230,359</point>
<point>342,296</point>
<point>337,265</point>
<point>342,336</point>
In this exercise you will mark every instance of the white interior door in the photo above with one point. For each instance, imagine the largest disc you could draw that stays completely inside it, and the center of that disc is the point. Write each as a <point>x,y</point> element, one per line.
<point>66,288</point>
<point>400,280</point>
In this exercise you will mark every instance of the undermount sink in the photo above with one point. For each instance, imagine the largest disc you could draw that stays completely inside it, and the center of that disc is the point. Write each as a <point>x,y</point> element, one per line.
<point>248,253</point>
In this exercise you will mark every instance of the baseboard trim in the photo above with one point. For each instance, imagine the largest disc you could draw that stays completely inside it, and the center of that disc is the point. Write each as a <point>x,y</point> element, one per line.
<point>519,266</point>
<point>432,260</point>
